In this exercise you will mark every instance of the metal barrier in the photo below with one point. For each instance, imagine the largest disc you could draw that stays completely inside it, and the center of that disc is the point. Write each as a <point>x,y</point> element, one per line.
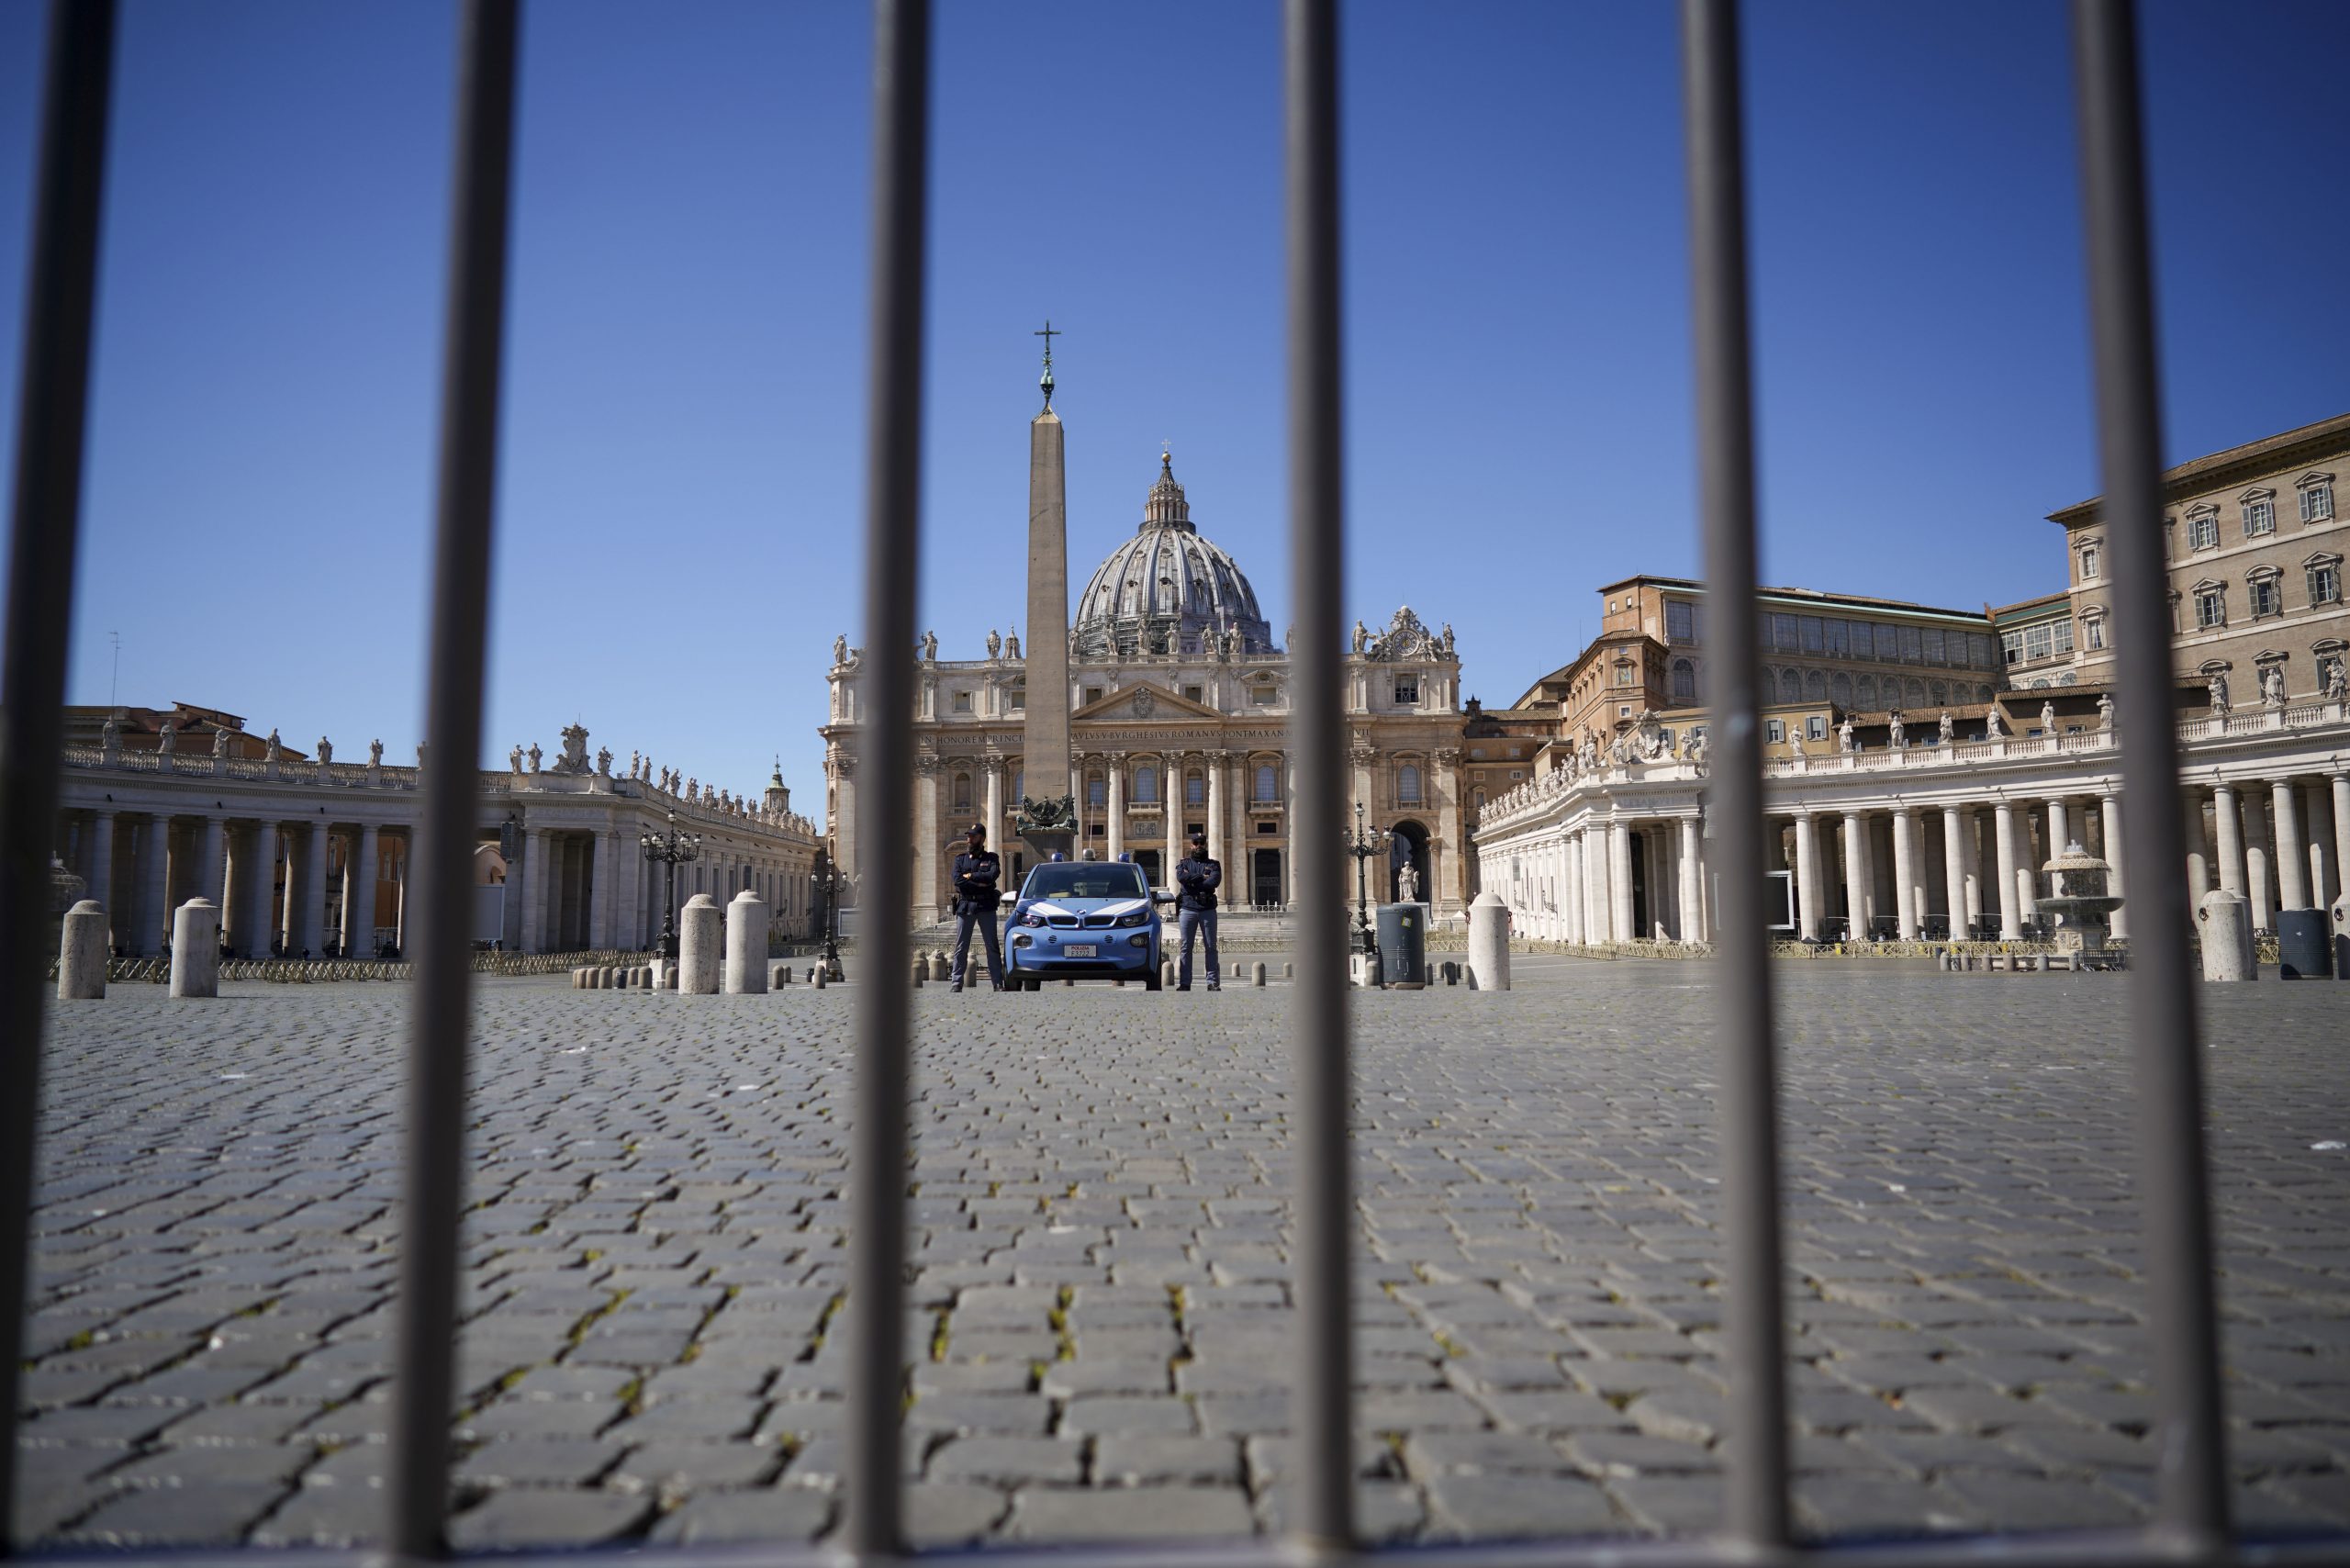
<point>2193,1515</point>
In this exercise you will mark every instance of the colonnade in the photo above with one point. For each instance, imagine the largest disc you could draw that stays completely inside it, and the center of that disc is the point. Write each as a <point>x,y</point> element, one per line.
<point>2277,841</point>
<point>1612,879</point>
<point>277,883</point>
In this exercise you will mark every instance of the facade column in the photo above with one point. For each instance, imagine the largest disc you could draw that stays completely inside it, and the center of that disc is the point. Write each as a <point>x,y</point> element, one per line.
<point>2339,783</point>
<point>1856,886</point>
<point>2230,828</point>
<point>101,863</point>
<point>1956,883</point>
<point>1216,809</point>
<point>1174,792</point>
<point>313,887</point>
<point>2060,826</point>
<point>2003,817</point>
<point>2292,859</point>
<point>628,870</point>
<point>930,849</point>
<point>359,899</point>
<point>1571,888</point>
<point>2110,811</point>
<point>1619,880</point>
<point>2200,851</point>
<point>1905,871</point>
<point>213,868</point>
<point>154,903</point>
<point>534,911</point>
<point>1693,884</point>
<point>2324,853</point>
<point>399,889</point>
<point>1117,767</point>
<point>603,852</point>
<point>997,839</point>
<point>1596,902</point>
<point>258,868</point>
<point>1808,876</point>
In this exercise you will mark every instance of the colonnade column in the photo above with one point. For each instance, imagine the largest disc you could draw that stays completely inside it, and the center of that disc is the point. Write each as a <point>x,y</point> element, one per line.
<point>359,897</point>
<point>2110,811</point>
<point>257,868</point>
<point>1571,888</point>
<point>313,887</point>
<point>2229,829</point>
<point>997,837</point>
<point>2255,860</point>
<point>2003,818</point>
<point>1175,790</point>
<point>1693,884</point>
<point>154,866</point>
<point>101,863</point>
<point>2292,860</point>
<point>1956,884</point>
<point>212,871</point>
<point>604,851</point>
<point>1619,879</point>
<point>1905,864</point>
<point>2201,852</point>
<point>2324,853</point>
<point>1117,770</point>
<point>1807,877</point>
<point>2060,826</point>
<point>1970,846</point>
<point>1856,885</point>
<point>534,912</point>
<point>2339,784</point>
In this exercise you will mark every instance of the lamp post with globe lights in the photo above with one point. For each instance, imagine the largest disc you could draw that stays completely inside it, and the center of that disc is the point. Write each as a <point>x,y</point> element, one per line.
<point>1363,843</point>
<point>667,849</point>
<point>828,880</point>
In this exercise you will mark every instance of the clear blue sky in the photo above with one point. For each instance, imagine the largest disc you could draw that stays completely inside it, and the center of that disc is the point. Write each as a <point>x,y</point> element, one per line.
<point>680,495</point>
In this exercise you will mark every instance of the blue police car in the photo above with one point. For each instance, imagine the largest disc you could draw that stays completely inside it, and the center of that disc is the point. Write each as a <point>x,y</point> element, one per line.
<point>1082,920</point>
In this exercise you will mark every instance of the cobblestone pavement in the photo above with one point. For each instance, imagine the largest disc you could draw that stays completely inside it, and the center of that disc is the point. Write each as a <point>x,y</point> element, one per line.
<point>655,1257</point>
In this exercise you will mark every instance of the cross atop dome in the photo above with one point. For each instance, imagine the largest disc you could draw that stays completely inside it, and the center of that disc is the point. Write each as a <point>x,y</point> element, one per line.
<point>1166,507</point>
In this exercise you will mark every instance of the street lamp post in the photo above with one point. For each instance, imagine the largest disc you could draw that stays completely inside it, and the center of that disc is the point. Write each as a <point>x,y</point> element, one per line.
<point>667,849</point>
<point>1363,843</point>
<point>828,879</point>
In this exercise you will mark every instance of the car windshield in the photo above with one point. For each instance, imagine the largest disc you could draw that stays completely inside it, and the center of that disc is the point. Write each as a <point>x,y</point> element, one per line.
<point>1083,880</point>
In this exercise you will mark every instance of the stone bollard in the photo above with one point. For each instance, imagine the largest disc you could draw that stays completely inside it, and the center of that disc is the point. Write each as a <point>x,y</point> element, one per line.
<point>816,976</point>
<point>82,953</point>
<point>1489,942</point>
<point>1255,974</point>
<point>1289,971</point>
<point>778,974</point>
<point>746,945</point>
<point>698,959</point>
<point>2223,924</point>
<point>1239,969</point>
<point>196,948</point>
<point>1166,974</point>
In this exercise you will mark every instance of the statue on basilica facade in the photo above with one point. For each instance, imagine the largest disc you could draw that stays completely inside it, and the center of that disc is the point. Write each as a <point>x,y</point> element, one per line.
<point>275,750</point>
<point>1012,643</point>
<point>995,644</point>
<point>110,734</point>
<point>1444,640</point>
<point>1362,637</point>
<point>169,741</point>
<point>2272,685</point>
<point>2218,687</point>
<point>2337,679</point>
<point>514,759</point>
<point>2105,709</point>
<point>1844,734</point>
<point>604,760</point>
<point>840,651</point>
<point>326,750</point>
<point>1994,728</point>
<point>1897,732</point>
<point>930,647</point>
<point>2048,717</point>
<point>376,754</point>
<point>220,740</point>
<point>535,754</point>
<point>1947,731</point>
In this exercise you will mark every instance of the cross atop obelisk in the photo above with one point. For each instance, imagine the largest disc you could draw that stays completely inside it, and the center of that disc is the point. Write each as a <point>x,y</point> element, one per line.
<point>1046,381</point>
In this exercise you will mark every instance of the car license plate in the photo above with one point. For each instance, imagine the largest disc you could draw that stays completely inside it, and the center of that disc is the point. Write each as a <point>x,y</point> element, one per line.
<point>1080,951</point>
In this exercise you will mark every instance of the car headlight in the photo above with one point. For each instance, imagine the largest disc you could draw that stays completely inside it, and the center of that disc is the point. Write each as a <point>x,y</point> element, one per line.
<point>1139,939</point>
<point>1137,918</point>
<point>1032,918</point>
<point>1022,940</point>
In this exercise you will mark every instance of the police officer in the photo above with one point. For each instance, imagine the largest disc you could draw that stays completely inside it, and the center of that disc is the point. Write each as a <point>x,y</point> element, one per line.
<point>1199,877</point>
<point>977,872</point>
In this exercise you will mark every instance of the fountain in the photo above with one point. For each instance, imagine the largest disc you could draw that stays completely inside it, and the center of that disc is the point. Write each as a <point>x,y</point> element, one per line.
<point>2077,899</point>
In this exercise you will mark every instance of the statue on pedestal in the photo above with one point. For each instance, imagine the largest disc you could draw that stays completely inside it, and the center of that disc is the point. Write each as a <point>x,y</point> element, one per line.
<point>995,644</point>
<point>514,759</point>
<point>169,741</point>
<point>2218,687</point>
<point>376,754</point>
<point>1898,732</point>
<point>220,740</point>
<point>326,750</point>
<point>1993,727</point>
<point>275,750</point>
<point>2105,709</point>
<point>1408,884</point>
<point>1012,643</point>
<point>604,761</point>
<point>2048,717</point>
<point>2272,685</point>
<point>1844,734</point>
<point>535,754</point>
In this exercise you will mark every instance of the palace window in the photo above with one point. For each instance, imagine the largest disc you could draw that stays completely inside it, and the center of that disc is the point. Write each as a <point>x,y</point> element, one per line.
<point>2093,631</point>
<point>1407,784</point>
<point>1815,728</point>
<point>1680,620</point>
<point>2203,531</point>
<point>1864,640</point>
<point>1775,731</point>
<point>2211,607</point>
<point>1269,784</point>
<point>1146,785</point>
<point>1815,635</point>
<point>1097,791</point>
<point>1814,686</point>
<point>1933,640</point>
<point>1784,635</point>
<point>2266,597</point>
<point>1868,692</point>
<point>1839,639</point>
<point>1912,650</point>
<point>1684,681</point>
<point>1790,686</point>
<point>2325,582</point>
<point>1195,790</point>
<point>961,702</point>
<point>2259,517</point>
<point>1841,689</point>
<point>2092,564</point>
<point>1408,690</point>
<point>2317,498</point>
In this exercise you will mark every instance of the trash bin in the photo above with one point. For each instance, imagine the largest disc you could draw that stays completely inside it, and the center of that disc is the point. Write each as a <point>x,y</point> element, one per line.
<point>1403,946</point>
<point>2301,945</point>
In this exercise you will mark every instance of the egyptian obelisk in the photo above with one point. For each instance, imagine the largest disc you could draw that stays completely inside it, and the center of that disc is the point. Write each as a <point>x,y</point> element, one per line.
<point>1048,805</point>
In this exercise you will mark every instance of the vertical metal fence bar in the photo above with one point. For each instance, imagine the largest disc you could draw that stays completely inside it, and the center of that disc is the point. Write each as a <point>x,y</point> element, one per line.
<point>1753,1304</point>
<point>470,375</point>
<point>885,760</point>
<point>2190,1447</point>
<point>1324,1218</point>
<point>53,400</point>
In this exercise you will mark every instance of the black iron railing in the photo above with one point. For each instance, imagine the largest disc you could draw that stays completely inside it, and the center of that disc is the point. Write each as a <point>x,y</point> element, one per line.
<point>2192,1518</point>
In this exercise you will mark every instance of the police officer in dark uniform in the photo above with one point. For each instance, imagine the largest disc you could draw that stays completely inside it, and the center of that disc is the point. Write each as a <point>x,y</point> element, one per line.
<point>1198,877</point>
<point>977,872</point>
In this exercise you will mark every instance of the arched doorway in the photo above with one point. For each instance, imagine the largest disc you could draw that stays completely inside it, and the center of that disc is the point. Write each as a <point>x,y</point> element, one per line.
<point>1409,845</point>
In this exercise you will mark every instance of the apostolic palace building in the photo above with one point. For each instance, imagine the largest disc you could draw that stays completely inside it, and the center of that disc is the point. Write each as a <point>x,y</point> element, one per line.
<point>1924,763</point>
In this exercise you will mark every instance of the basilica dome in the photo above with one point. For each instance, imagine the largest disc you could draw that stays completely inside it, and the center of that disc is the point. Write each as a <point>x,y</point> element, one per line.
<point>1167,590</point>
